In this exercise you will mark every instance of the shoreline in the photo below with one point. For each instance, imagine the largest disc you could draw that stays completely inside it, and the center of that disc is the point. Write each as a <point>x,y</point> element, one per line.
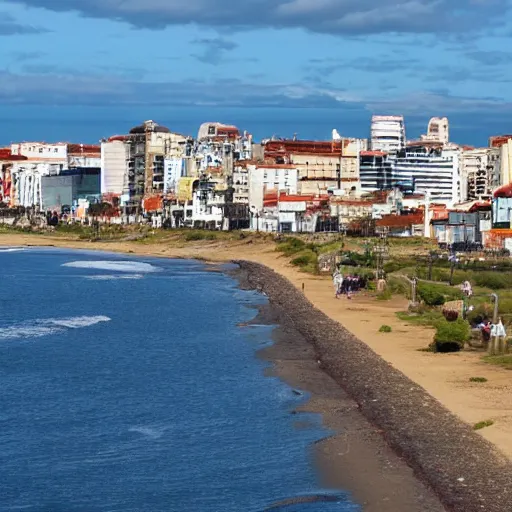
<point>353,457</point>
<point>466,472</point>
<point>484,470</point>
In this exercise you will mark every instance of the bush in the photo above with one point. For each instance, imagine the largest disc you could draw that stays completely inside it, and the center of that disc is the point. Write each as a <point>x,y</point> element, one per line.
<point>291,246</point>
<point>436,294</point>
<point>482,424</point>
<point>385,328</point>
<point>307,261</point>
<point>477,379</point>
<point>430,296</point>
<point>399,286</point>
<point>451,336</point>
<point>493,280</point>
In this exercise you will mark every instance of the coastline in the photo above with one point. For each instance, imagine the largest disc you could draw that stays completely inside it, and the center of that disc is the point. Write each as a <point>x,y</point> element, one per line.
<point>466,472</point>
<point>442,377</point>
<point>355,457</point>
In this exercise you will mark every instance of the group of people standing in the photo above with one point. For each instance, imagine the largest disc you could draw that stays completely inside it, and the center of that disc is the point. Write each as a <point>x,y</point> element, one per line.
<point>346,285</point>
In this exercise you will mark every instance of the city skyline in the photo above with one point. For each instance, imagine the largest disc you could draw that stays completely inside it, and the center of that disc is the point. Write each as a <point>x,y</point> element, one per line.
<point>133,61</point>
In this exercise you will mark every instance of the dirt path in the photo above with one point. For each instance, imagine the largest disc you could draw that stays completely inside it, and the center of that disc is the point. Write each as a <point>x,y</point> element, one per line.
<point>444,376</point>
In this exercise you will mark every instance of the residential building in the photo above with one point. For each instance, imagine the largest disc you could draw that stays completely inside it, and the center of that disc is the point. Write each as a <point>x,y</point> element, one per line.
<point>322,165</point>
<point>114,166</point>
<point>84,155</point>
<point>429,167</point>
<point>264,178</point>
<point>42,152</point>
<point>503,169</point>
<point>375,170</point>
<point>438,130</point>
<point>241,184</point>
<point>476,173</point>
<point>387,133</point>
<point>7,159</point>
<point>149,145</point>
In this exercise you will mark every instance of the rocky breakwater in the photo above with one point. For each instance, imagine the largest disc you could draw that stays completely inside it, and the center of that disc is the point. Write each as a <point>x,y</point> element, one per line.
<point>466,472</point>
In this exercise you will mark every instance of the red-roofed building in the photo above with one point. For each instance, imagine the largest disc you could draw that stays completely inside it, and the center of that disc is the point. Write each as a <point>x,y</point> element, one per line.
<point>322,165</point>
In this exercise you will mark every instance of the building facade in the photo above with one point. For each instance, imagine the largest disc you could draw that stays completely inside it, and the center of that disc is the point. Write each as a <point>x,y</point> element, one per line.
<point>387,133</point>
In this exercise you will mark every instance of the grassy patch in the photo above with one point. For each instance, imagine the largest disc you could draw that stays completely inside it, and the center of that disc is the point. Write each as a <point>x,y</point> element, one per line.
<point>482,424</point>
<point>503,361</point>
<point>477,379</point>
<point>307,261</point>
<point>429,318</point>
<point>386,294</point>
<point>197,235</point>
<point>385,328</point>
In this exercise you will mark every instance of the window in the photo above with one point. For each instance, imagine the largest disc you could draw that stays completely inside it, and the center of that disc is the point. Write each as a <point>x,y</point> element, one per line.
<point>56,150</point>
<point>40,150</point>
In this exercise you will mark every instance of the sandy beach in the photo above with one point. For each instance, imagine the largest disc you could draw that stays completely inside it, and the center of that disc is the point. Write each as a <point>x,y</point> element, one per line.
<point>443,377</point>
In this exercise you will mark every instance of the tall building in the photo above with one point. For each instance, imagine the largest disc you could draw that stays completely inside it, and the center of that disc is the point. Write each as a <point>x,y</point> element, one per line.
<point>429,167</point>
<point>376,171</point>
<point>503,166</point>
<point>476,173</point>
<point>387,133</point>
<point>438,130</point>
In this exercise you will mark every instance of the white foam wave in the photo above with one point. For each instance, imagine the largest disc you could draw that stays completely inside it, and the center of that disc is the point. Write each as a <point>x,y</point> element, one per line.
<point>151,432</point>
<point>108,277</point>
<point>11,249</point>
<point>78,321</point>
<point>115,266</point>
<point>44,327</point>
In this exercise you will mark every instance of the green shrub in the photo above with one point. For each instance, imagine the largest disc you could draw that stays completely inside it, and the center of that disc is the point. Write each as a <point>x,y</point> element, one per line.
<point>493,280</point>
<point>430,296</point>
<point>451,336</point>
<point>307,261</point>
<point>477,379</point>
<point>385,328</point>
<point>482,424</point>
<point>431,293</point>
<point>399,286</point>
<point>292,246</point>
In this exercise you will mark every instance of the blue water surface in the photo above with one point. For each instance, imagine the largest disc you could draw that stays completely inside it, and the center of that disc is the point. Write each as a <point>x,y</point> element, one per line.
<point>128,385</point>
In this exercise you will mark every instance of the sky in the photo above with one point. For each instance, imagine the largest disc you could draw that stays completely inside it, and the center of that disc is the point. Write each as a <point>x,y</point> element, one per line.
<point>80,70</point>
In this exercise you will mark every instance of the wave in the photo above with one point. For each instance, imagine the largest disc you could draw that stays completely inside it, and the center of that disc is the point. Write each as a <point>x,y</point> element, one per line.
<point>108,277</point>
<point>149,432</point>
<point>47,326</point>
<point>11,249</point>
<point>132,267</point>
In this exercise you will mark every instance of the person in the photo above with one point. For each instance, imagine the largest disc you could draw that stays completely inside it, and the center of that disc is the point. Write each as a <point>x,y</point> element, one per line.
<point>337,279</point>
<point>485,328</point>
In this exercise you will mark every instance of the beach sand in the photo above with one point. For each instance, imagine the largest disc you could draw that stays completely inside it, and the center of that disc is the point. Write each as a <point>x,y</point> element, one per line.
<point>444,377</point>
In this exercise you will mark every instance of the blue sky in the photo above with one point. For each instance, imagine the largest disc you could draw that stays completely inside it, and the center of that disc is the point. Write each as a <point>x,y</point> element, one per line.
<point>81,68</point>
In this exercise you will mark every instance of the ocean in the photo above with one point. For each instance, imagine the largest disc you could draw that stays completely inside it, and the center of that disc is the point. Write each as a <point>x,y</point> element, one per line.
<point>132,385</point>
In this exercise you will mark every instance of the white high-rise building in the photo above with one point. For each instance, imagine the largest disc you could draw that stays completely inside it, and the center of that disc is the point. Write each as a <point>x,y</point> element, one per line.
<point>438,130</point>
<point>423,167</point>
<point>387,133</point>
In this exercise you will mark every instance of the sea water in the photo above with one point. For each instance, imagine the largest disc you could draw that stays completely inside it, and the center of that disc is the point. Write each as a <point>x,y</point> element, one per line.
<point>128,385</point>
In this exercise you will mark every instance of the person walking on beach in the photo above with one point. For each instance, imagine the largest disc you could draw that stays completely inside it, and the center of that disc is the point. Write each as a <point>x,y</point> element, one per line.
<point>337,279</point>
